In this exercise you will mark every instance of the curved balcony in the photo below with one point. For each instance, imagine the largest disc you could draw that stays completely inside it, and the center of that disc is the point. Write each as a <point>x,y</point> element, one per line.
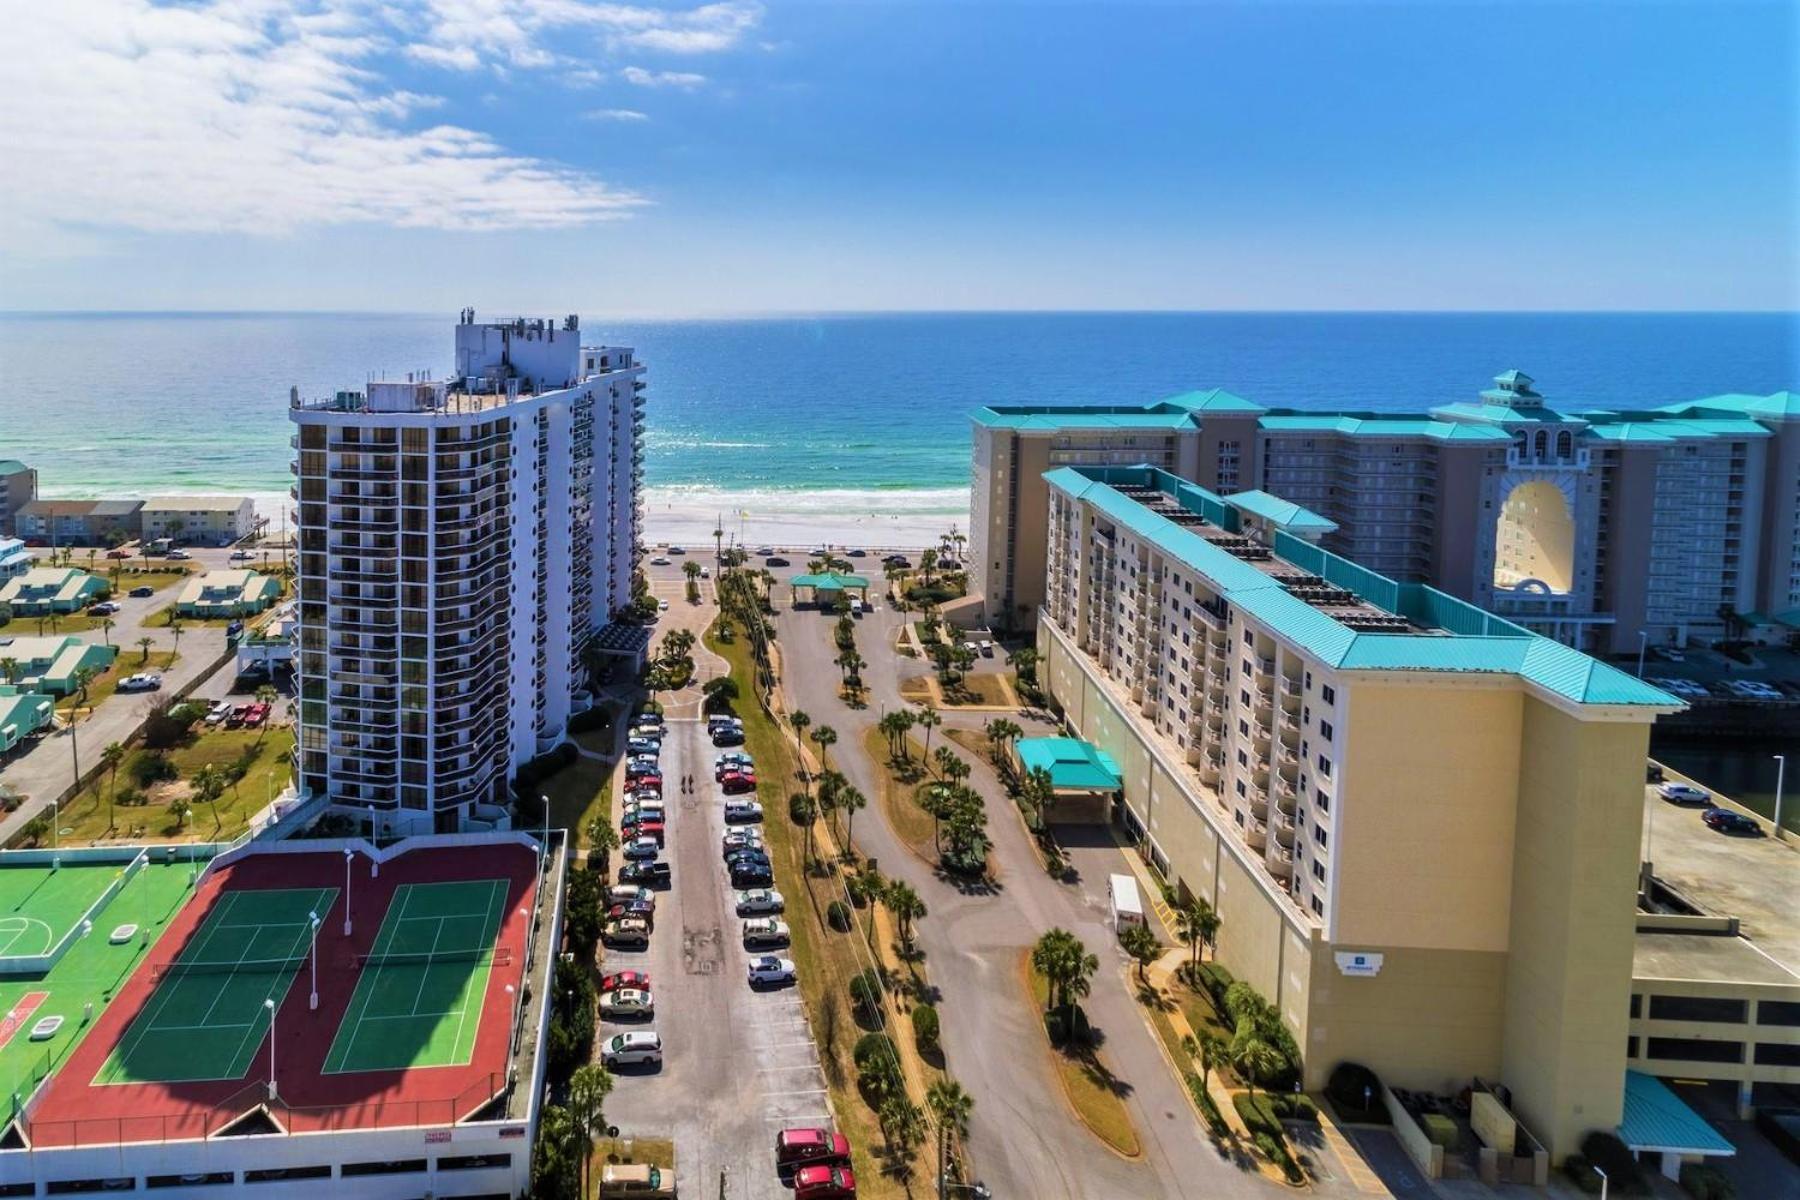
<point>1255,835</point>
<point>1284,830</point>
<point>1280,864</point>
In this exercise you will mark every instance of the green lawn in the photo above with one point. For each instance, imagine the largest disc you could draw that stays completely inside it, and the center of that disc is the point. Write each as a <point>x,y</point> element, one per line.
<point>130,661</point>
<point>267,758</point>
<point>900,782</point>
<point>1090,1086</point>
<point>579,793</point>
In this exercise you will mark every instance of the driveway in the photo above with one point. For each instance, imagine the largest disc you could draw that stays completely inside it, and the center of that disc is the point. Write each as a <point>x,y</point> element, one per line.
<point>738,1065</point>
<point>1024,1139</point>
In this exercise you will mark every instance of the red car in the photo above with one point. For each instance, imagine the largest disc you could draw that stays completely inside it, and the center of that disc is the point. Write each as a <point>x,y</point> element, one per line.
<point>647,783</point>
<point>737,781</point>
<point>257,715</point>
<point>625,979</point>
<point>649,829</point>
<point>824,1183</point>
<point>794,1147</point>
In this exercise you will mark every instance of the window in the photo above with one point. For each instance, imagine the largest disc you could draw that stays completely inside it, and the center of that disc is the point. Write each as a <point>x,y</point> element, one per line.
<point>1637,1005</point>
<point>1318,906</point>
<point>1324,766</point>
<point>1698,1008</point>
<point>283,1174</point>
<point>1776,1054</point>
<point>1696,1050</point>
<point>1322,800</point>
<point>1319,836</point>
<point>1325,730</point>
<point>1328,694</point>
<point>1778,1012</point>
<point>1318,870</point>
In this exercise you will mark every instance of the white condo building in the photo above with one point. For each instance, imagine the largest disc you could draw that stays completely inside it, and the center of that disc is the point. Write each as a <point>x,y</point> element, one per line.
<point>460,544</point>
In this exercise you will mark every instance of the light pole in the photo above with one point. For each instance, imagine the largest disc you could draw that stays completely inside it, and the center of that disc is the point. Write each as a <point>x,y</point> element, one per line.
<point>1780,778</point>
<point>1603,1181</point>
<point>269,1007</point>
<point>314,917</point>
<point>978,1189</point>
<point>348,855</point>
<point>1643,645</point>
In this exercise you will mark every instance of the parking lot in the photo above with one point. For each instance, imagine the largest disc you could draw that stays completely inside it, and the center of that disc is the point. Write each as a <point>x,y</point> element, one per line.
<point>738,1064</point>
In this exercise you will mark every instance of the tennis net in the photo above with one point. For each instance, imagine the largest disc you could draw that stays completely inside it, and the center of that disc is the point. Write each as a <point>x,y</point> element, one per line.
<point>226,966</point>
<point>490,955</point>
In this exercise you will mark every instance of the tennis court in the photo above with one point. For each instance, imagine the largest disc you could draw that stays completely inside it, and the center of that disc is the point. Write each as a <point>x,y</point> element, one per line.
<point>206,1016</point>
<point>419,993</point>
<point>39,905</point>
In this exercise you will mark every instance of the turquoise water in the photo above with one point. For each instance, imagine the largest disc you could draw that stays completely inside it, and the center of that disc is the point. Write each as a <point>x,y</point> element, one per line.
<point>141,403</point>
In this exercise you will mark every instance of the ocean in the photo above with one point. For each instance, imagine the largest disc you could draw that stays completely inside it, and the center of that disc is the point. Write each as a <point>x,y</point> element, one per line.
<point>849,420</point>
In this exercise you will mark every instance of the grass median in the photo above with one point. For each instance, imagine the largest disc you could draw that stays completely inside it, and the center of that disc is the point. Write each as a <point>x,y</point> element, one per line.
<point>825,959</point>
<point>1091,1088</point>
<point>900,779</point>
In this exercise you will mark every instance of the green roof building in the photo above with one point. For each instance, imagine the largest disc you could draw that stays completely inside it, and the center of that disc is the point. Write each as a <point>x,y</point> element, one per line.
<point>1603,529</point>
<point>50,664</point>
<point>43,591</point>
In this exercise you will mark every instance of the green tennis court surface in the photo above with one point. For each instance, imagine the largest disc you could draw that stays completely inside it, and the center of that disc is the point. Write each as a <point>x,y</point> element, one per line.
<point>418,997</point>
<point>38,905</point>
<point>206,1017</point>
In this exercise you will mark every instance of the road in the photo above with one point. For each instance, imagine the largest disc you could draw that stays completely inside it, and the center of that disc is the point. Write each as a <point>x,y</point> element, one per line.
<point>44,771</point>
<point>1024,1139</point>
<point>738,1065</point>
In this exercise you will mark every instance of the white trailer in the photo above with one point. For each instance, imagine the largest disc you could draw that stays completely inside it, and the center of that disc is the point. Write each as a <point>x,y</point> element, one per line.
<point>1127,908</point>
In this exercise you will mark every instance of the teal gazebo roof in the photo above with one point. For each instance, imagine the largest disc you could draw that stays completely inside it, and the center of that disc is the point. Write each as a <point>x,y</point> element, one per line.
<point>1074,765</point>
<point>1657,1119</point>
<point>829,582</point>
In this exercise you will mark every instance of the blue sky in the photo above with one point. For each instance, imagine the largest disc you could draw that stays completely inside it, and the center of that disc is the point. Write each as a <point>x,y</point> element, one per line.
<point>639,159</point>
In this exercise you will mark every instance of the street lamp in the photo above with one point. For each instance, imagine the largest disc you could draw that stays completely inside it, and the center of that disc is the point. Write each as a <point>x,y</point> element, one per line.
<point>1603,1181</point>
<point>348,855</point>
<point>1643,644</point>
<point>314,918</point>
<point>1780,778</point>
<point>269,1007</point>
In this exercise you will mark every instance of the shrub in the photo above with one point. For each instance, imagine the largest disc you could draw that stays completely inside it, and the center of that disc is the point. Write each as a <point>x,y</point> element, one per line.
<point>1215,981</point>
<point>1215,1120</point>
<point>1292,1106</point>
<point>589,720</point>
<point>1606,1151</point>
<point>837,914</point>
<point>877,1065</point>
<point>865,993</point>
<point>925,1026</point>
<point>1276,1151</point>
<point>147,769</point>
<point>1349,1083</point>
<point>1707,1183</point>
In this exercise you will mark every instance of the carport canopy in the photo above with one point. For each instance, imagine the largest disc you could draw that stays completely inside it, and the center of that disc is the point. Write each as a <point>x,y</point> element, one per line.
<point>1075,766</point>
<point>829,584</point>
<point>1657,1121</point>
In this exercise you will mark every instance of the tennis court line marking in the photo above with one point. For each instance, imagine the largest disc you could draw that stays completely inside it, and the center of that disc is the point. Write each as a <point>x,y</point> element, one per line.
<point>158,1001</point>
<point>490,931</point>
<point>276,984</point>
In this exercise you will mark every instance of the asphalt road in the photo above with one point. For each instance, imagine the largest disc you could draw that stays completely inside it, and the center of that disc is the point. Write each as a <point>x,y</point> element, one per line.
<point>738,1065</point>
<point>1024,1139</point>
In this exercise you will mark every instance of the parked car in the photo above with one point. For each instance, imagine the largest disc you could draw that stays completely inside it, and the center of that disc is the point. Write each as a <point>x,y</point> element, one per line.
<point>235,717</point>
<point>662,606</point>
<point>258,714</point>
<point>620,1181</point>
<point>640,1047</point>
<point>634,910</point>
<point>645,827</point>
<point>751,876</point>
<point>1726,821</point>
<point>987,649</point>
<point>824,1183</point>
<point>648,717</point>
<point>180,555</point>
<point>728,736</point>
<point>644,781</point>
<point>750,856</point>
<point>677,550</point>
<point>142,590</point>
<point>119,552</point>
<point>650,873</point>
<point>649,747</point>
<point>627,1002</point>
<point>217,713</point>
<point>740,839</point>
<point>736,782</point>
<point>765,933</point>
<point>769,969</point>
<point>146,682</point>
<point>1682,793</point>
<point>641,848</point>
<point>1669,653</point>
<point>758,901</point>
<point>626,935</point>
<point>241,556</point>
<point>895,560</point>
<point>801,1147</point>
<point>647,729</point>
<point>651,808</point>
<point>731,760</point>
<point>105,608</point>
<point>624,979</point>
<point>661,560</point>
<point>775,560</point>
<point>742,812</point>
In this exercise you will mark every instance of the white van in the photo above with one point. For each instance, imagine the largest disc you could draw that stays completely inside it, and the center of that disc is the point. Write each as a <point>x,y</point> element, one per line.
<point>1127,909</point>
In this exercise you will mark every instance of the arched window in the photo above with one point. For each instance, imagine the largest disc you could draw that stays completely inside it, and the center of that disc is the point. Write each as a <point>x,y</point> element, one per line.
<point>1565,444</point>
<point>1543,445</point>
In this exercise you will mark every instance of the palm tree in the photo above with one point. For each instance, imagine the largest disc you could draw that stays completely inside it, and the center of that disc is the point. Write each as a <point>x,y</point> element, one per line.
<point>144,644</point>
<point>1024,664</point>
<point>1064,962</point>
<point>10,668</point>
<point>208,785</point>
<point>110,758</point>
<point>1196,924</point>
<point>907,907</point>
<point>107,625</point>
<point>84,679</point>
<point>175,630</point>
<point>927,564</point>
<point>928,718</point>
<point>824,737</point>
<point>1251,1053</point>
<point>1143,947</point>
<point>179,808</point>
<point>588,1089</point>
<point>799,720</point>
<point>950,1108</point>
<point>691,569</point>
<point>1209,1048</point>
<point>849,801</point>
<point>603,839</point>
<point>266,695</point>
<point>804,809</point>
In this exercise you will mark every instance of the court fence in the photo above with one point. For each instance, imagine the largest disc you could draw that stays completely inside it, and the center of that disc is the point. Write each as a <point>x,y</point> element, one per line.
<point>39,964</point>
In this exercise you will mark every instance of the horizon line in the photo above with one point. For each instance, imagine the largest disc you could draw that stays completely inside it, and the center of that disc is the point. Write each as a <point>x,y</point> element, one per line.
<point>830,313</point>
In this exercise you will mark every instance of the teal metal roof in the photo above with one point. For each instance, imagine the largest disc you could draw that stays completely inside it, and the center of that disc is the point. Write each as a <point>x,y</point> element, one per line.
<point>829,581</point>
<point>1459,637</point>
<point>1049,419</point>
<point>1074,765</point>
<point>11,466</point>
<point>1657,1119</point>
<point>1380,425</point>
<point>1498,409</point>
<point>1215,400</point>
<point>1780,405</point>
<point>1283,513</point>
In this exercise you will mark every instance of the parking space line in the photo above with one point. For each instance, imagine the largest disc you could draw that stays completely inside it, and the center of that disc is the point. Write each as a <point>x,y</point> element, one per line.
<point>795,1092</point>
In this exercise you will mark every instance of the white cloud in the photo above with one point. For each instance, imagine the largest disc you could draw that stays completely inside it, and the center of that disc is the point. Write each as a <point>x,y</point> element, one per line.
<point>639,77</point>
<point>520,33</point>
<point>456,58</point>
<point>245,116</point>
<point>615,114</point>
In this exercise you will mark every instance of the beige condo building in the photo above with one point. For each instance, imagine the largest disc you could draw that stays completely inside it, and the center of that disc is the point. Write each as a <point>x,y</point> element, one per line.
<point>1418,821</point>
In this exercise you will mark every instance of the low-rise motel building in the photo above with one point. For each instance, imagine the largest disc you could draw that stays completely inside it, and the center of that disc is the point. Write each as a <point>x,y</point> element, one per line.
<point>1418,822</point>
<point>44,591</point>
<point>236,593</point>
<point>52,663</point>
